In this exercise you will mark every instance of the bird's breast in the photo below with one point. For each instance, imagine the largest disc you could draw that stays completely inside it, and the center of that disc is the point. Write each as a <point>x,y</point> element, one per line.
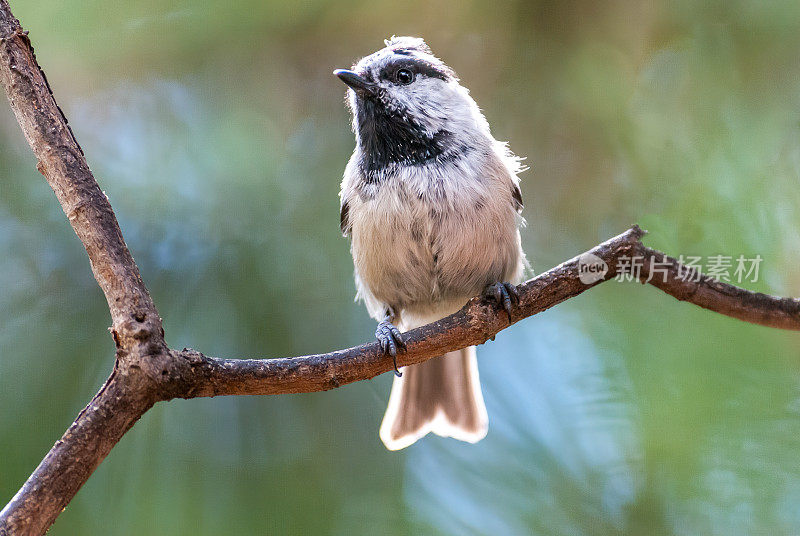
<point>414,245</point>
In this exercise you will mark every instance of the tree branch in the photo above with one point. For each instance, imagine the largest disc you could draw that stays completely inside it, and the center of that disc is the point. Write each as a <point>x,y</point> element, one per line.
<point>729,300</point>
<point>62,162</point>
<point>136,326</point>
<point>147,371</point>
<point>479,321</point>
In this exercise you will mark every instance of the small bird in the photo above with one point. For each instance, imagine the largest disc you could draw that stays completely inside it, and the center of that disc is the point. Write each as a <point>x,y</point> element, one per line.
<point>432,204</point>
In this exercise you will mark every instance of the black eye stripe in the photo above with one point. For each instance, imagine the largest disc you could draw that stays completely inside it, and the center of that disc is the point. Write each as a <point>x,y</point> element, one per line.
<point>416,66</point>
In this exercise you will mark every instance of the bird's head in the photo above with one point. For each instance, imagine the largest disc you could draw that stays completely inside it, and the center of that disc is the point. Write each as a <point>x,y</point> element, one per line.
<point>408,107</point>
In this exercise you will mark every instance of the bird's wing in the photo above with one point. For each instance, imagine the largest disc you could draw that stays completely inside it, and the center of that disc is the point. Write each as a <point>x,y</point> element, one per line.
<point>344,218</point>
<point>516,196</point>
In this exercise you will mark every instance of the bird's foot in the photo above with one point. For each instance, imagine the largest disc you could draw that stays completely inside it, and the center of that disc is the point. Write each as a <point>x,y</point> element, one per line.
<point>391,341</point>
<point>504,294</point>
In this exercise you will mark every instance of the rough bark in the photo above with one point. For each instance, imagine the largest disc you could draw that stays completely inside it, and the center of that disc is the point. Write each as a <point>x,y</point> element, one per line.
<point>147,371</point>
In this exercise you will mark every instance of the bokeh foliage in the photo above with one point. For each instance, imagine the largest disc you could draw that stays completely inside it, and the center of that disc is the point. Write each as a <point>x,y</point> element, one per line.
<point>220,136</point>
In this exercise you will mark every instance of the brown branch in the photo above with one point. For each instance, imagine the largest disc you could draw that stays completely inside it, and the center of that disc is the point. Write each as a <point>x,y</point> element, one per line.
<point>479,321</point>
<point>729,300</point>
<point>62,162</point>
<point>136,326</point>
<point>146,371</point>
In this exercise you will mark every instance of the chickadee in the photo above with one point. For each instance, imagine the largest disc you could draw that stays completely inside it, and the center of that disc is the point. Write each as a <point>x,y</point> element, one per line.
<point>432,205</point>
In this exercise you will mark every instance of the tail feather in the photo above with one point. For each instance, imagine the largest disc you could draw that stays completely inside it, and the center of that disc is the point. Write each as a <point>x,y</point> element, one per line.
<point>441,395</point>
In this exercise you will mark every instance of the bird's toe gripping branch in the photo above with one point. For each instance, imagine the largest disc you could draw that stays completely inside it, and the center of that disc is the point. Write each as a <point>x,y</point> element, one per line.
<point>503,294</point>
<point>391,341</point>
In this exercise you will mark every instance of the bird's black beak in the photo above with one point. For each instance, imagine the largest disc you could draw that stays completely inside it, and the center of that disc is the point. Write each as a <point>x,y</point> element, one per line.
<point>356,82</point>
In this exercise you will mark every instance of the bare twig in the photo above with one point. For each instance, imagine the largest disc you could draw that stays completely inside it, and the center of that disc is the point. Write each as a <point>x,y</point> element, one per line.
<point>147,371</point>
<point>708,293</point>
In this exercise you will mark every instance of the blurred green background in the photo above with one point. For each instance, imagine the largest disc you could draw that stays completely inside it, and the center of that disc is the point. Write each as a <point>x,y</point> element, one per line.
<point>220,136</point>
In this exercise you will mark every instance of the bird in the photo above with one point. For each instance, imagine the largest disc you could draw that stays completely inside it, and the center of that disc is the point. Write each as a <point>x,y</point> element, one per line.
<point>432,205</point>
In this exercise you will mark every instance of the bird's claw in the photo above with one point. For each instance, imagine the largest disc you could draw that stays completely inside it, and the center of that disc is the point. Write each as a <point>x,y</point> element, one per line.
<point>391,341</point>
<point>503,293</point>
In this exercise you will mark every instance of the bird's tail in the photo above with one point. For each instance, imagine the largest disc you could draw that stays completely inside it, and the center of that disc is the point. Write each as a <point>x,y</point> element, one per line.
<point>441,395</point>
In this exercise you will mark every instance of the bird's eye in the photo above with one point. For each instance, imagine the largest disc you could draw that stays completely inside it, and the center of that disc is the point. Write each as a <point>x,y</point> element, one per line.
<point>404,76</point>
